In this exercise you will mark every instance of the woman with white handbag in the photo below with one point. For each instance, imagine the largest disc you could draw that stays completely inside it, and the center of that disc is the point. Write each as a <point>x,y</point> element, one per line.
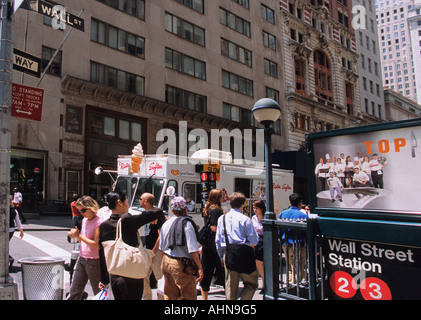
<point>119,241</point>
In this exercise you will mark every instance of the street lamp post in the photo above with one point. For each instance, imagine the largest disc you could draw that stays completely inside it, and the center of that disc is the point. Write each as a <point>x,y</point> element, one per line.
<point>267,111</point>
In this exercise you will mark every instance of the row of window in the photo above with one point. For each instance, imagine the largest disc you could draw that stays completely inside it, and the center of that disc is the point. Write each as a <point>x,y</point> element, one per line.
<point>117,79</point>
<point>323,79</point>
<point>101,125</point>
<point>243,115</point>
<point>303,122</point>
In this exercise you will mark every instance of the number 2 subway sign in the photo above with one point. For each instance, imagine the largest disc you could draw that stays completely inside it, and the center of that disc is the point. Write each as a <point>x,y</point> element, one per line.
<point>361,270</point>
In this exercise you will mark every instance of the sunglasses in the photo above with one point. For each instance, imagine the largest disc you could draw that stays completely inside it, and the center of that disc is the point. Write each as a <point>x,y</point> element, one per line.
<point>83,210</point>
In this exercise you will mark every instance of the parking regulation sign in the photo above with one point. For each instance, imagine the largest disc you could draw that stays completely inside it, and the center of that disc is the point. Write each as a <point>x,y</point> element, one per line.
<point>27,102</point>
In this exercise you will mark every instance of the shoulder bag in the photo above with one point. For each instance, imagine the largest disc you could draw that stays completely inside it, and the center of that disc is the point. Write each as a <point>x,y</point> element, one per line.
<point>239,257</point>
<point>204,235</point>
<point>124,260</point>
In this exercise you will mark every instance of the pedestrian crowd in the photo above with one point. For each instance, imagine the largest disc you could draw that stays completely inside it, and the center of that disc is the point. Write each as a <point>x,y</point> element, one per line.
<point>232,250</point>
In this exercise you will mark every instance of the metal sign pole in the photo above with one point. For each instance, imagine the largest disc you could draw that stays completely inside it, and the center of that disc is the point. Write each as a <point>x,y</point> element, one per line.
<point>8,289</point>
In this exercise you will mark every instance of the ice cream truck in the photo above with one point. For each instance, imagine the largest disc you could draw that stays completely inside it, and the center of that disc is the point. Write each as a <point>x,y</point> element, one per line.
<point>166,176</point>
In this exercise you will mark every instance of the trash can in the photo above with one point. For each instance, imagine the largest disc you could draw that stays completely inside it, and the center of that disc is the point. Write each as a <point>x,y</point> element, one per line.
<point>42,278</point>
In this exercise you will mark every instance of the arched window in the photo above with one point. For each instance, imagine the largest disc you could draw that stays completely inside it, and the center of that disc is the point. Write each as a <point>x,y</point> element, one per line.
<point>323,76</point>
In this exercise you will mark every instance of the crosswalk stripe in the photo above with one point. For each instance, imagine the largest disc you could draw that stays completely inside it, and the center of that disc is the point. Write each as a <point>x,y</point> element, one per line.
<point>45,246</point>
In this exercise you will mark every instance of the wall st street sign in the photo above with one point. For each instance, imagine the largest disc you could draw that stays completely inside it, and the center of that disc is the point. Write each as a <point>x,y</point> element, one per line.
<point>26,63</point>
<point>60,16</point>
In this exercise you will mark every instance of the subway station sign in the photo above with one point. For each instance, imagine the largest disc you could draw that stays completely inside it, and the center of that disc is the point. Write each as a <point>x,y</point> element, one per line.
<point>363,270</point>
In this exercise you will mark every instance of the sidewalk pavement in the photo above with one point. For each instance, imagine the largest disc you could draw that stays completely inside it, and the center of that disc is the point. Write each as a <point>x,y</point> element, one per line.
<point>49,222</point>
<point>61,222</point>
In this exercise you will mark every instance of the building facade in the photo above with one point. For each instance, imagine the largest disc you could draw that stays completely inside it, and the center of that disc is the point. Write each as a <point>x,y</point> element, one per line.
<point>136,68</point>
<point>369,64</point>
<point>320,65</point>
<point>414,24</point>
<point>399,107</point>
<point>140,66</point>
<point>395,44</point>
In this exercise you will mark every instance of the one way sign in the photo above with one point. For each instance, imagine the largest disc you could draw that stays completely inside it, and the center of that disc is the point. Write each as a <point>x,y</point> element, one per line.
<point>26,63</point>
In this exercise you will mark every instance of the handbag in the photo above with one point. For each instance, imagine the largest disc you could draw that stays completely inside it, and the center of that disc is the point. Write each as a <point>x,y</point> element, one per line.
<point>204,235</point>
<point>124,260</point>
<point>239,257</point>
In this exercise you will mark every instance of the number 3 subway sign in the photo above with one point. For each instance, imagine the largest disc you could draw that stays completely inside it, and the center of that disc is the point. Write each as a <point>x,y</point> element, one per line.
<point>372,271</point>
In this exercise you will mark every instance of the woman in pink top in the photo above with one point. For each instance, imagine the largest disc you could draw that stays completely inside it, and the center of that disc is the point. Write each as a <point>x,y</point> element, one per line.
<point>87,265</point>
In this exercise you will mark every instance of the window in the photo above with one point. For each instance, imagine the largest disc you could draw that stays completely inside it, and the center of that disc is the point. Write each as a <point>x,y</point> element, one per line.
<point>72,184</point>
<point>113,127</point>
<point>234,22</point>
<point>194,4</point>
<point>185,99</point>
<point>272,93</point>
<point>188,65</point>
<point>55,67</point>
<point>232,50</point>
<point>135,8</point>
<point>267,13</point>
<point>244,3</point>
<point>238,114</point>
<point>300,83</point>
<point>118,39</point>
<point>349,98</point>
<point>74,116</point>
<point>323,76</point>
<point>271,68</point>
<point>184,29</point>
<point>118,79</point>
<point>234,82</point>
<point>269,40</point>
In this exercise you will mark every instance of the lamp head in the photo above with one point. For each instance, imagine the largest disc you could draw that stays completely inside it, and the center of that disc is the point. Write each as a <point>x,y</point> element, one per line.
<point>266,110</point>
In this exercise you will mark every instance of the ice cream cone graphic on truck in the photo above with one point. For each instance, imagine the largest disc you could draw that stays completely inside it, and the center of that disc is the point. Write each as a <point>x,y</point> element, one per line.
<point>136,158</point>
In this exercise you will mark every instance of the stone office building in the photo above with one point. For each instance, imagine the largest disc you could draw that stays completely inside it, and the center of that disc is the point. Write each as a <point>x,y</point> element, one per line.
<point>140,66</point>
<point>137,67</point>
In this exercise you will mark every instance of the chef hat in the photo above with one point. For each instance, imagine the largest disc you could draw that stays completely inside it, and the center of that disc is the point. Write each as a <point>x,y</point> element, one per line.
<point>327,156</point>
<point>356,159</point>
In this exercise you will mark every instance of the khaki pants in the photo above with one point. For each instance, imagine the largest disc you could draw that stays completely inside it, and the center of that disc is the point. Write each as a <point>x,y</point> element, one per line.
<point>178,285</point>
<point>292,257</point>
<point>232,281</point>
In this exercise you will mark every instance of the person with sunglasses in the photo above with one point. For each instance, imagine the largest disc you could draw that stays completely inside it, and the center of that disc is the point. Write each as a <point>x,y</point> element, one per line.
<point>87,264</point>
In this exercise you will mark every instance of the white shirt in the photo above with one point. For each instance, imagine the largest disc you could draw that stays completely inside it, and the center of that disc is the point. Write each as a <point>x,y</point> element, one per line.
<point>340,170</point>
<point>361,177</point>
<point>323,167</point>
<point>375,165</point>
<point>334,182</point>
<point>17,197</point>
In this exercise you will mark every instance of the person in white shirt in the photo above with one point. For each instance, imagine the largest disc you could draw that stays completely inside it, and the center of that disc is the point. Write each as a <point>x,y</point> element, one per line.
<point>322,173</point>
<point>349,171</point>
<point>335,185</point>
<point>340,170</point>
<point>377,171</point>
<point>365,167</point>
<point>360,179</point>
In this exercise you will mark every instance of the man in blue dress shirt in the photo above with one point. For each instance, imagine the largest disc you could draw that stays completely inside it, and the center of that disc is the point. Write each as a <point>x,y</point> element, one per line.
<point>239,230</point>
